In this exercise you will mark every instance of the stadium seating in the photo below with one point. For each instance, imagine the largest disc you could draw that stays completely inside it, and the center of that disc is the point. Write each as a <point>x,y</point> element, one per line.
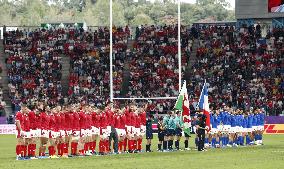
<point>34,67</point>
<point>242,70</point>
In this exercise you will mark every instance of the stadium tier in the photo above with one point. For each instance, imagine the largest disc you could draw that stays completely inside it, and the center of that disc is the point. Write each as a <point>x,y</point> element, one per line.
<point>243,69</point>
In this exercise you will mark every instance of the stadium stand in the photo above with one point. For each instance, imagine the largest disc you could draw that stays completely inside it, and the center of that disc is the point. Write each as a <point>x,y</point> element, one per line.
<point>34,67</point>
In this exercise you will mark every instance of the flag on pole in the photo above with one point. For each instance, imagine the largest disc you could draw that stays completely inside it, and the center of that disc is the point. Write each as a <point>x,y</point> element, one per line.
<point>204,104</point>
<point>182,104</point>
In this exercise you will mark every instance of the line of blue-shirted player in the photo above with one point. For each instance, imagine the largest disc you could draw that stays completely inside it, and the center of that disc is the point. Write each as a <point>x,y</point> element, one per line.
<point>235,128</point>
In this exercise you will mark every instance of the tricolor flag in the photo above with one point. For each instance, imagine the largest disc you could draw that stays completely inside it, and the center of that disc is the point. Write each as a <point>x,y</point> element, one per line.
<point>204,104</point>
<point>182,104</point>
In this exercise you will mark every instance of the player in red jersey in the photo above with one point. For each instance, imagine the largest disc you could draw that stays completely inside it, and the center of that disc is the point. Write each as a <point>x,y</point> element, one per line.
<point>53,134</point>
<point>103,145</point>
<point>130,121</point>
<point>44,119</point>
<point>95,128</point>
<point>75,130</point>
<point>88,131</point>
<point>142,117</point>
<point>21,148</point>
<point>57,132</point>
<point>118,125</point>
<point>83,133</point>
<point>69,120</point>
<point>138,135</point>
<point>63,133</point>
<point>33,131</point>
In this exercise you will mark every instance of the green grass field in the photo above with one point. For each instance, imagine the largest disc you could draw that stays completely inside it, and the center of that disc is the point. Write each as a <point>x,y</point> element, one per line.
<point>270,156</point>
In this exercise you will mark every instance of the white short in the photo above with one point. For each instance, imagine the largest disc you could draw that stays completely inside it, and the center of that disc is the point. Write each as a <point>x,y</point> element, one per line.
<point>226,128</point>
<point>54,134</point>
<point>105,133</point>
<point>76,133</point>
<point>128,129</point>
<point>121,132</point>
<point>213,131</point>
<point>254,128</point>
<point>26,134</point>
<point>249,130</point>
<point>69,132</point>
<point>34,133</point>
<point>220,128</point>
<point>260,128</point>
<point>137,131</point>
<point>95,130</point>
<point>44,133</point>
<point>143,129</point>
<point>89,132</point>
<point>232,129</point>
<point>62,133</point>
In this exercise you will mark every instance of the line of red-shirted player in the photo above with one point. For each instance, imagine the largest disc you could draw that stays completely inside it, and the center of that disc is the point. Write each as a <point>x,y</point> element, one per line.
<point>78,127</point>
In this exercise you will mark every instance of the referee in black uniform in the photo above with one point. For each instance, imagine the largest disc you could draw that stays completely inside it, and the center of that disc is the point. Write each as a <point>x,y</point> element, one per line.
<point>149,133</point>
<point>200,129</point>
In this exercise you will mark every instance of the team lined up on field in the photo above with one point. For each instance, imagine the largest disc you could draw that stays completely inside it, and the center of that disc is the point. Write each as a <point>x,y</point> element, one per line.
<point>235,127</point>
<point>79,127</point>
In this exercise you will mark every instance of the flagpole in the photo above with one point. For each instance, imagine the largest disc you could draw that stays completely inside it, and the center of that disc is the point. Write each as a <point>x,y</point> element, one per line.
<point>110,52</point>
<point>179,46</point>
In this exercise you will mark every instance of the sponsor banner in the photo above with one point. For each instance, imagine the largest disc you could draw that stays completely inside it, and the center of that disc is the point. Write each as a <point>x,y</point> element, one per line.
<point>7,129</point>
<point>274,120</point>
<point>273,129</point>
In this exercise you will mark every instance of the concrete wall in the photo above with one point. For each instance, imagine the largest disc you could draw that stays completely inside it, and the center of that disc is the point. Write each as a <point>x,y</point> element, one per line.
<point>246,9</point>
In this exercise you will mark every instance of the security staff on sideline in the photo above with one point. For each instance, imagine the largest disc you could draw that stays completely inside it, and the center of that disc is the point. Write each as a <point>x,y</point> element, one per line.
<point>200,129</point>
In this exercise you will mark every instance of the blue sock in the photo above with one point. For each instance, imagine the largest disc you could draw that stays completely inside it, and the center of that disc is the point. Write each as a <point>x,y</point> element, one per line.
<point>239,140</point>
<point>206,140</point>
<point>213,142</point>
<point>242,140</point>
<point>227,139</point>
<point>223,140</point>
<point>231,142</point>
<point>260,137</point>
<point>196,142</point>
<point>247,140</point>
<point>256,137</point>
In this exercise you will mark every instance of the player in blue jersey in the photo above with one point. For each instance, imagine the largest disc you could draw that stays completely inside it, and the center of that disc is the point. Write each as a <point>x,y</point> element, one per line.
<point>232,133</point>
<point>214,131</point>
<point>243,126</point>
<point>260,126</point>
<point>249,127</point>
<point>254,126</point>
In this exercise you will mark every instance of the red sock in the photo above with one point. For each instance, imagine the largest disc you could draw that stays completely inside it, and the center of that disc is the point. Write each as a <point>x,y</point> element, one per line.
<point>86,146</point>
<point>18,149</point>
<point>139,141</point>
<point>34,150</point>
<point>63,147</point>
<point>92,146</point>
<point>24,151</point>
<point>73,148</point>
<point>135,145</point>
<point>125,144</point>
<point>66,148</point>
<point>59,149</point>
<point>51,150</point>
<point>120,145</point>
<point>29,149</point>
<point>100,147</point>
<point>130,145</point>
<point>107,148</point>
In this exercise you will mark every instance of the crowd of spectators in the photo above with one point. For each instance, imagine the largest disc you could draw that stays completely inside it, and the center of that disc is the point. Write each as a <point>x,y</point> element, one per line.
<point>89,74</point>
<point>34,66</point>
<point>242,69</point>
